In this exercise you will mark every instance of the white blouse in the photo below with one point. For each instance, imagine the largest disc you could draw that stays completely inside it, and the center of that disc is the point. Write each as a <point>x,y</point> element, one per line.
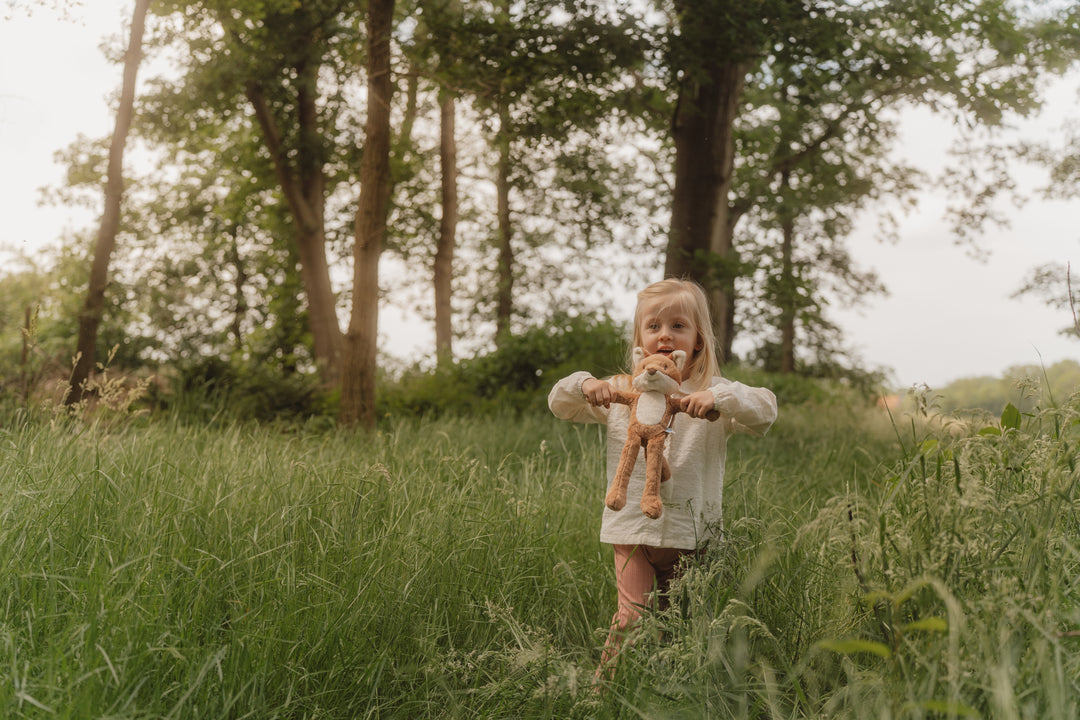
<point>696,450</point>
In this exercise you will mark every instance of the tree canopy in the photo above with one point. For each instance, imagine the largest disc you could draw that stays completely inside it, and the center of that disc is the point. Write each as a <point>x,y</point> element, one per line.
<point>595,145</point>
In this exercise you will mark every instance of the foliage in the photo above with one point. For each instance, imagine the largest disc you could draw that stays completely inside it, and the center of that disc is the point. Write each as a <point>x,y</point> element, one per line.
<point>202,268</point>
<point>1027,387</point>
<point>214,388</point>
<point>514,377</point>
<point>546,82</point>
<point>31,349</point>
<point>209,264</point>
<point>816,133</point>
<point>40,299</point>
<point>834,391</point>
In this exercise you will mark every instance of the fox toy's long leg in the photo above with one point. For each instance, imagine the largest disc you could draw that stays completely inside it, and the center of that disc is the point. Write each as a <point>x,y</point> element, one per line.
<point>655,461</point>
<point>616,494</point>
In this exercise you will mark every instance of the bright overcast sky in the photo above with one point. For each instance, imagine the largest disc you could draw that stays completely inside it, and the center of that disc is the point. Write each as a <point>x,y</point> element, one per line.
<point>947,316</point>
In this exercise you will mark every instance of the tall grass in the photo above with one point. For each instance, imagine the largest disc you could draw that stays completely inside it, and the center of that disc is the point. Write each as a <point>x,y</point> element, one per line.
<point>451,568</point>
<point>943,584</point>
<point>173,571</point>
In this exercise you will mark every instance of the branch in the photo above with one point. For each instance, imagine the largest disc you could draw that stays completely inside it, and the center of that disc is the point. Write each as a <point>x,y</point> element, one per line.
<point>1072,303</point>
<point>831,131</point>
<point>300,207</point>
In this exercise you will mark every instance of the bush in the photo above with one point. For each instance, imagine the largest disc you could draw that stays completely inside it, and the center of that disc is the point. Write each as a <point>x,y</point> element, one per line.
<point>213,387</point>
<point>516,376</point>
<point>520,372</point>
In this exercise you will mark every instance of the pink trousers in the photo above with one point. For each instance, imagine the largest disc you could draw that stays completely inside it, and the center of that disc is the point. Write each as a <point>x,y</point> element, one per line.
<point>640,571</point>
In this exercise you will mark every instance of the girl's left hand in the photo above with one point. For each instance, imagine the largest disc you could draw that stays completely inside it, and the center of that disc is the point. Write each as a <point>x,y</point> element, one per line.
<point>698,404</point>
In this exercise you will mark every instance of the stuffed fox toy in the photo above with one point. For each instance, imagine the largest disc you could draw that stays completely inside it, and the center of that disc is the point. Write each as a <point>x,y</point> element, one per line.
<point>652,410</point>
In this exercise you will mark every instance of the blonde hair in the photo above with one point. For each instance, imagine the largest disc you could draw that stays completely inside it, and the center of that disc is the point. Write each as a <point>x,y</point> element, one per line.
<point>689,297</point>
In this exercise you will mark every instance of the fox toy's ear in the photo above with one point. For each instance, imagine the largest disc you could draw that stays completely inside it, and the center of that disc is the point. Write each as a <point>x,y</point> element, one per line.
<point>637,354</point>
<point>679,358</point>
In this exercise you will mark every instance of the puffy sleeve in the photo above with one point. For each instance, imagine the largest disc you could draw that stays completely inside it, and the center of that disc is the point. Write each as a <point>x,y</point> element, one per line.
<point>746,409</point>
<point>568,402</point>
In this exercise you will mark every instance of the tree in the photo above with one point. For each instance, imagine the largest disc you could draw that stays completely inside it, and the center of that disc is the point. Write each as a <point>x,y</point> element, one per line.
<point>358,381</point>
<point>714,45</point>
<point>290,64</point>
<point>854,64</point>
<point>211,267</point>
<point>537,71</point>
<point>306,29</point>
<point>439,17</point>
<point>803,176</point>
<point>90,317</point>
<point>443,267</point>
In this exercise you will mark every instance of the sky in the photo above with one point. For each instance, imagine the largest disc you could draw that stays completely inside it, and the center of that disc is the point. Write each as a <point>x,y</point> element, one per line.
<point>947,316</point>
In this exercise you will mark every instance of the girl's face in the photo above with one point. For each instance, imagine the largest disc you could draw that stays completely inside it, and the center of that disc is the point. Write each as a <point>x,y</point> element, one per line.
<point>665,328</point>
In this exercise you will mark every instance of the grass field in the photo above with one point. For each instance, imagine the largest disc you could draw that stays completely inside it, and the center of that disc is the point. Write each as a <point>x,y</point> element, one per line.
<point>451,569</point>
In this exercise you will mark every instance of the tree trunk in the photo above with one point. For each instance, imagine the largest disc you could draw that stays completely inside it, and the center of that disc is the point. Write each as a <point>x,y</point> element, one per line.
<point>412,108</point>
<point>90,317</point>
<point>700,242</point>
<point>788,295</point>
<point>240,308</point>
<point>504,283</point>
<point>326,336</point>
<point>303,188</point>
<point>358,380</point>
<point>443,271</point>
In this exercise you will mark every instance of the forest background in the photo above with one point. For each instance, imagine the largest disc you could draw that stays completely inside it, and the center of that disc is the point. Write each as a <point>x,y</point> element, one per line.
<point>787,266</point>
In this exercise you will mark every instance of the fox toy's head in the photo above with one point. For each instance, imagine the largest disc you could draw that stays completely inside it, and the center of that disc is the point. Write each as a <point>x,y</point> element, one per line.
<point>658,373</point>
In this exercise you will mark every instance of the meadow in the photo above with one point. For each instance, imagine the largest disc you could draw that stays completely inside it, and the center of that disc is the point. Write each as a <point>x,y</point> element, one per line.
<point>873,567</point>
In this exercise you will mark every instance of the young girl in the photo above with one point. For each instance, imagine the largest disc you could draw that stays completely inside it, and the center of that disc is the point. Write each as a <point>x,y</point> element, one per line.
<point>670,315</point>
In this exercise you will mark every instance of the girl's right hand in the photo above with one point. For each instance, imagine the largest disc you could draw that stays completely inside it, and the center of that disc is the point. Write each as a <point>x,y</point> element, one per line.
<point>597,392</point>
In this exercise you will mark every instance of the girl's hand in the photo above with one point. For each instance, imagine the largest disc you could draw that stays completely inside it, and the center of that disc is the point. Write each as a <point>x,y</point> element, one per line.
<point>699,404</point>
<point>597,392</point>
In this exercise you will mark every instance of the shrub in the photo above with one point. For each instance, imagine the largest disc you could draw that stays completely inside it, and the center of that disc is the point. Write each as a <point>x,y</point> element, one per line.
<point>212,387</point>
<point>516,376</point>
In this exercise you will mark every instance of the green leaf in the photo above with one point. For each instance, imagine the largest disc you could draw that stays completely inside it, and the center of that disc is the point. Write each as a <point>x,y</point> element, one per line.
<point>948,707</point>
<point>1010,418</point>
<point>990,431</point>
<point>929,624</point>
<point>851,646</point>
